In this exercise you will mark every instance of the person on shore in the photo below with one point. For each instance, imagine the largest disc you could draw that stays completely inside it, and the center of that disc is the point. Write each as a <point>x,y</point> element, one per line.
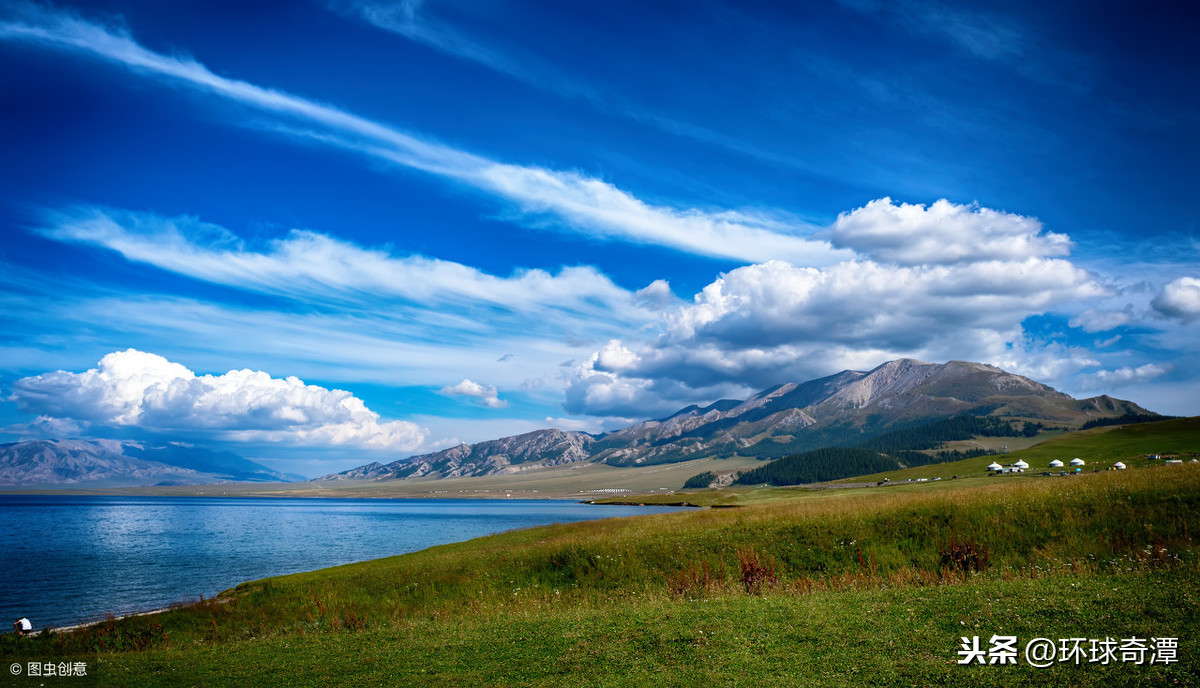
<point>22,626</point>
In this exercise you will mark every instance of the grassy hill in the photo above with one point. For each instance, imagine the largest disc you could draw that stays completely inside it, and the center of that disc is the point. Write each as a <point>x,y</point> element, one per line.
<point>1100,447</point>
<point>827,588</point>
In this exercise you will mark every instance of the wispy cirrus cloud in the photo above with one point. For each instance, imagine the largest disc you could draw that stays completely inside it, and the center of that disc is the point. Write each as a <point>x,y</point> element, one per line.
<point>409,18</point>
<point>313,266</point>
<point>579,203</point>
<point>375,341</point>
<point>984,35</point>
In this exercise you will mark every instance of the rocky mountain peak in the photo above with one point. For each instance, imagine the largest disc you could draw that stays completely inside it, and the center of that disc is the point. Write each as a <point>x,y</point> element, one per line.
<point>845,407</point>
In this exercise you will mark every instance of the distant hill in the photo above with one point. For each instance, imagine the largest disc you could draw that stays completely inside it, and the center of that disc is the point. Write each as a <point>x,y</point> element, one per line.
<point>110,463</point>
<point>840,410</point>
<point>537,449</point>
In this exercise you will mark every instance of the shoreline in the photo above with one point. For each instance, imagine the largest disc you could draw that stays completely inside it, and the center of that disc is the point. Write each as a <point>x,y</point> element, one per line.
<point>88,624</point>
<point>92,620</point>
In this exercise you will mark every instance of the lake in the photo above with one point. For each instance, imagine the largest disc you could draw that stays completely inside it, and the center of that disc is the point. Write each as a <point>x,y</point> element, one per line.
<point>75,558</point>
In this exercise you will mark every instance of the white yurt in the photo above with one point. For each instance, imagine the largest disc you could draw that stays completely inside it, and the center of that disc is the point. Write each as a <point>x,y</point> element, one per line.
<point>1119,466</point>
<point>1021,464</point>
<point>1077,462</point>
<point>993,466</point>
<point>1056,464</point>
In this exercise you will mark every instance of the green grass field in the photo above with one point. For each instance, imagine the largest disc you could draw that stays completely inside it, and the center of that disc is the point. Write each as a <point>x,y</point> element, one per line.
<point>837,587</point>
<point>1099,447</point>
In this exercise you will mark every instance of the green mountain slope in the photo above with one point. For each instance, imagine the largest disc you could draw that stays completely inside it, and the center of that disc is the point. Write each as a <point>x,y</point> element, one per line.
<point>1099,447</point>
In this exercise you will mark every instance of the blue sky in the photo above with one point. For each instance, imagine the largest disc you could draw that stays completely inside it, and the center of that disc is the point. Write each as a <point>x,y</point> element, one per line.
<point>320,234</point>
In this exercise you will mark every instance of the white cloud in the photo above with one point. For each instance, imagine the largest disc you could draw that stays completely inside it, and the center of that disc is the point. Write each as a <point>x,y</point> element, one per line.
<point>602,210</point>
<point>367,315</point>
<point>313,266</point>
<point>942,233</point>
<point>47,427</point>
<point>588,425</point>
<point>600,393</point>
<point>1095,320</point>
<point>1179,299</point>
<point>621,383</point>
<point>865,303</point>
<point>752,327</point>
<point>657,295</point>
<point>1128,375</point>
<point>136,389</point>
<point>580,203</point>
<point>766,323</point>
<point>484,394</point>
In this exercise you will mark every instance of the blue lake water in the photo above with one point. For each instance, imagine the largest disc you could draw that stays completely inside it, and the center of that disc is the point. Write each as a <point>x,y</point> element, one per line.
<point>75,558</point>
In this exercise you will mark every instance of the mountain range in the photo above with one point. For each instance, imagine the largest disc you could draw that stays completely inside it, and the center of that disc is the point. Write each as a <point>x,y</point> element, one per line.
<point>112,463</point>
<point>839,410</point>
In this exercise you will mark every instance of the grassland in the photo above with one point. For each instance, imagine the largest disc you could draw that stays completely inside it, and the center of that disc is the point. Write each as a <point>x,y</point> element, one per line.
<point>840,587</point>
<point>1099,447</point>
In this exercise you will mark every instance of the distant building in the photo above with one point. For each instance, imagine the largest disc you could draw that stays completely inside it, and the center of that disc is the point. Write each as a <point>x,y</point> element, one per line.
<point>1119,466</point>
<point>993,466</point>
<point>1056,464</point>
<point>1021,464</point>
<point>1077,461</point>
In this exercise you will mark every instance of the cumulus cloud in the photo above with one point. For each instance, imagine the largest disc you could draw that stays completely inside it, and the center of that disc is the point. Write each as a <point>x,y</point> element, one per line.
<point>484,394</point>
<point>137,389</point>
<point>1128,375</point>
<point>1179,299</point>
<point>942,233</point>
<point>765,323</point>
<point>619,382</point>
<point>938,282</point>
<point>601,393</point>
<point>868,304</point>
